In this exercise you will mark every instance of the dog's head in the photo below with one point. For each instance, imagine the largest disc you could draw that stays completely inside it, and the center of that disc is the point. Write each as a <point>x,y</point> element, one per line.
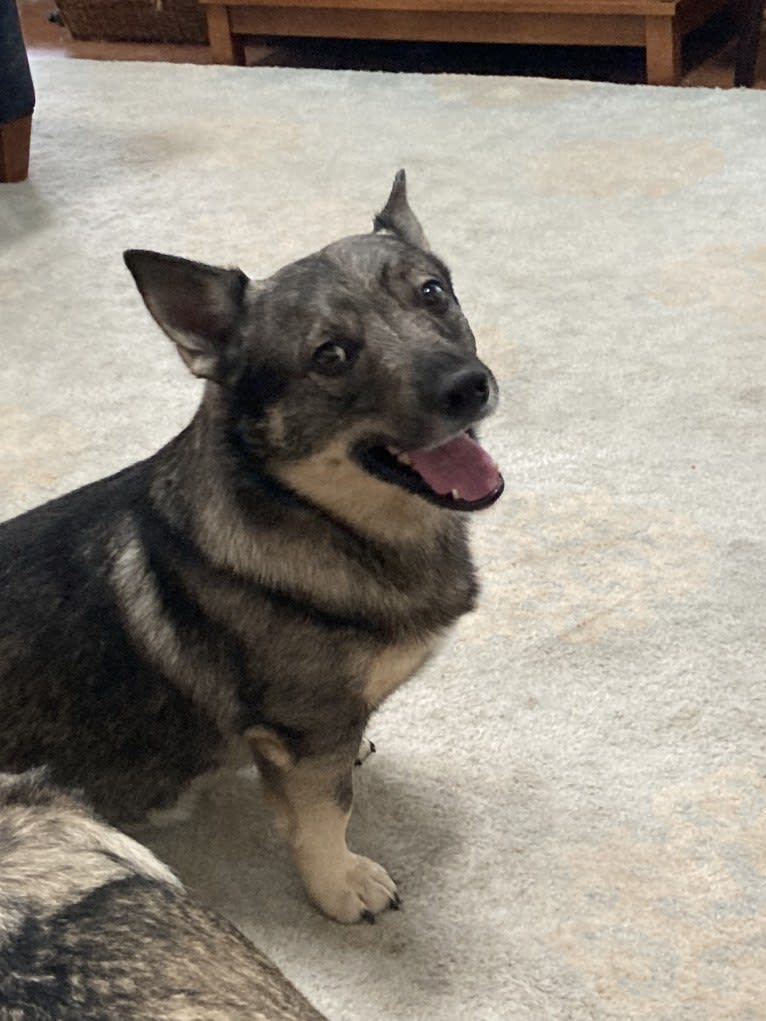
<point>354,361</point>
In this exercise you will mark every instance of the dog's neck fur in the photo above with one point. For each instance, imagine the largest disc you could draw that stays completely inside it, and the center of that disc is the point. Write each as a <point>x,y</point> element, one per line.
<point>327,480</point>
<point>377,511</point>
<point>376,537</point>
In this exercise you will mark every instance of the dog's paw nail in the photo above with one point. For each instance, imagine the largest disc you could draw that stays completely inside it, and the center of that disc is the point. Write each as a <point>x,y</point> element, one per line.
<point>395,903</point>
<point>359,891</point>
<point>373,749</point>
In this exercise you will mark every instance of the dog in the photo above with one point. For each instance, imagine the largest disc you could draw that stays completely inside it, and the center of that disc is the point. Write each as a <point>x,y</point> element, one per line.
<point>93,927</point>
<point>261,584</point>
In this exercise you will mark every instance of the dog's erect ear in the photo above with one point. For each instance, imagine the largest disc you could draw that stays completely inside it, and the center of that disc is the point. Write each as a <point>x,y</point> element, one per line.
<point>397,217</point>
<point>196,305</point>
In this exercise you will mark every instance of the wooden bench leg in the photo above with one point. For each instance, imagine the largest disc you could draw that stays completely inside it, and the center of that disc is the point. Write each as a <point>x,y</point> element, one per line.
<point>14,149</point>
<point>749,40</point>
<point>225,47</point>
<point>663,51</point>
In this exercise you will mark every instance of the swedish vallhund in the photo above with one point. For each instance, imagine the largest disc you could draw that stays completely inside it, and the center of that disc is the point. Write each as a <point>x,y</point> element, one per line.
<point>271,575</point>
<point>94,928</point>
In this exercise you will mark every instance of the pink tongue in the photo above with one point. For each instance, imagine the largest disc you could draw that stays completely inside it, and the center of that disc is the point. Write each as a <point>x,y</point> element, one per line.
<point>460,464</point>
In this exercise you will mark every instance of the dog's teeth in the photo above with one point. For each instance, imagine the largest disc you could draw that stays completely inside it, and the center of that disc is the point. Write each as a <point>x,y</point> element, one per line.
<point>455,494</point>
<point>404,458</point>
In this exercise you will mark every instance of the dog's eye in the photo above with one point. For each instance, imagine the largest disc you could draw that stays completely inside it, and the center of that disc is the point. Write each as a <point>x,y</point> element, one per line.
<point>434,294</point>
<point>332,358</point>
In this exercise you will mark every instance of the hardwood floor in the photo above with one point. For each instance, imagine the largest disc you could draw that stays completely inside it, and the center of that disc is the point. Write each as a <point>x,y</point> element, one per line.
<point>708,54</point>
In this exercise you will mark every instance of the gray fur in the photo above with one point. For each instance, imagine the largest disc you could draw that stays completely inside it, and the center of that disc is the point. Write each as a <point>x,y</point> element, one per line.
<point>250,579</point>
<point>94,928</point>
<point>398,218</point>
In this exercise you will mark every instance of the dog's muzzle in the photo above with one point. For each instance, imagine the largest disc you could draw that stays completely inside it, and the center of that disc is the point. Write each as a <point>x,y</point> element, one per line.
<point>457,473</point>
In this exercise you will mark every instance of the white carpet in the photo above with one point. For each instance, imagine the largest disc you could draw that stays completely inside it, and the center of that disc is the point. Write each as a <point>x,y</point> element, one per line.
<point>573,795</point>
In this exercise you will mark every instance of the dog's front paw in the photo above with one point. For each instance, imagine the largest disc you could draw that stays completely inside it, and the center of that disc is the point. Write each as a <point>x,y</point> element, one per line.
<point>356,891</point>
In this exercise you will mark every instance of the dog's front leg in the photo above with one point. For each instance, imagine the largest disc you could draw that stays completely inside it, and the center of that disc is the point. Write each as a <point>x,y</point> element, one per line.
<point>312,801</point>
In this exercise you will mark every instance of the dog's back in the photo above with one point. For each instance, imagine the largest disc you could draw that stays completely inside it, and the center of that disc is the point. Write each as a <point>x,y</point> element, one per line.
<point>93,926</point>
<point>77,692</point>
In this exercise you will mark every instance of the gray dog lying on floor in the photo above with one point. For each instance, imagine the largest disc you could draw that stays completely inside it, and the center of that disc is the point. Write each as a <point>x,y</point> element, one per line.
<point>93,927</point>
<point>268,578</point>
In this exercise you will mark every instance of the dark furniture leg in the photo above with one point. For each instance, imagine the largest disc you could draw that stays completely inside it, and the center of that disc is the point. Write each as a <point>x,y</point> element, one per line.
<point>747,47</point>
<point>17,97</point>
<point>14,149</point>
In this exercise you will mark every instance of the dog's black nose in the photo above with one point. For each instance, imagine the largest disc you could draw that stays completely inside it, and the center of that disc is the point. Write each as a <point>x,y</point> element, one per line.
<point>465,394</point>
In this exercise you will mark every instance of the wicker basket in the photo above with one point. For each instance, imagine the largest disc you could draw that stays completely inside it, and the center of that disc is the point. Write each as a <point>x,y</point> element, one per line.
<point>156,21</point>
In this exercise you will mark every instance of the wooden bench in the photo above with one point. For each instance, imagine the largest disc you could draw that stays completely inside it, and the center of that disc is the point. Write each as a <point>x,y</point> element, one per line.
<point>656,25</point>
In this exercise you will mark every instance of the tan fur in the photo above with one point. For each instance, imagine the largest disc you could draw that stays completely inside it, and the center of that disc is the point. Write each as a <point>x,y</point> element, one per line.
<point>342,884</point>
<point>141,604</point>
<point>269,746</point>
<point>392,668</point>
<point>265,744</point>
<point>221,531</point>
<point>334,482</point>
<point>271,558</point>
<point>57,855</point>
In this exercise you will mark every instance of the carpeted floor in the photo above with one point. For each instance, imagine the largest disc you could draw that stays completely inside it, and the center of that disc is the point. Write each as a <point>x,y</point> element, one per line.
<point>573,795</point>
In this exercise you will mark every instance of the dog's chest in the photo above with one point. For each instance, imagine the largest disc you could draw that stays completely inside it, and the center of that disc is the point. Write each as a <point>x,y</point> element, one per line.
<point>386,671</point>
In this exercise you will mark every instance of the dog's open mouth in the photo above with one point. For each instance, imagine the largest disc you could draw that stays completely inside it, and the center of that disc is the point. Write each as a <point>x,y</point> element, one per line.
<point>459,474</point>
